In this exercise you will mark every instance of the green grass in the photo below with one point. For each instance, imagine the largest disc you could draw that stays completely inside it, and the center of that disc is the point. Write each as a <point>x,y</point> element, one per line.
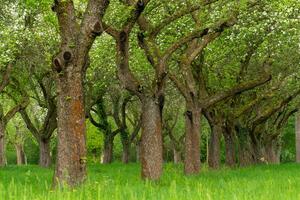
<point>118,181</point>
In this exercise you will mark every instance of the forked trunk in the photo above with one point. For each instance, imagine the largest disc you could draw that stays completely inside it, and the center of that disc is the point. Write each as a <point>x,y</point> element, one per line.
<point>21,157</point>
<point>151,140</point>
<point>214,146</point>
<point>192,141</point>
<point>71,148</point>
<point>108,149</point>
<point>45,156</point>
<point>2,145</point>
<point>230,157</point>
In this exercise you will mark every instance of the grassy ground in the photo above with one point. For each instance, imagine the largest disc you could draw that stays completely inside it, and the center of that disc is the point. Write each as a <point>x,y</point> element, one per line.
<point>118,181</point>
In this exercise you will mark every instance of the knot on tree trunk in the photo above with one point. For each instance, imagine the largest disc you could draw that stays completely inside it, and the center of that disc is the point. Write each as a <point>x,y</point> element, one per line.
<point>61,60</point>
<point>96,28</point>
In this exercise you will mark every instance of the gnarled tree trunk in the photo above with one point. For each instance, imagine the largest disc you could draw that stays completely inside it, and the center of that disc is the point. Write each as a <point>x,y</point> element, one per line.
<point>151,139</point>
<point>214,149</point>
<point>192,140</point>
<point>45,156</point>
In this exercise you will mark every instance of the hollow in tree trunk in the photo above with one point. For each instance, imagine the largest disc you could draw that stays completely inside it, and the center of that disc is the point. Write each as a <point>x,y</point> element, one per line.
<point>192,141</point>
<point>214,146</point>
<point>151,139</point>
<point>71,148</point>
<point>108,149</point>
<point>45,157</point>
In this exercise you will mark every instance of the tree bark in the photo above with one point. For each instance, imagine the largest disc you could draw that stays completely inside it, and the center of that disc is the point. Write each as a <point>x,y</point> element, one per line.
<point>71,148</point>
<point>297,128</point>
<point>177,156</point>
<point>21,156</point>
<point>192,140</point>
<point>230,157</point>
<point>271,153</point>
<point>125,153</point>
<point>108,149</point>
<point>138,152</point>
<point>214,150</point>
<point>151,139</point>
<point>2,145</point>
<point>45,156</point>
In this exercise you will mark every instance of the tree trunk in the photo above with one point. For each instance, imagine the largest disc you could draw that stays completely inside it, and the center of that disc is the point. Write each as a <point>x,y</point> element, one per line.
<point>125,154</point>
<point>45,157</point>
<point>126,147</point>
<point>297,128</point>
<point>138,152</point>
<point>108,149</point>
<point>271,153</point>
<point>192,141</point>
<point>71,148</point>
<point>151,140</point>
<point>177,156</point>
<point>2,145</point>
<point>214,146</point>
<point>230,157</point>
<point>21,157</point>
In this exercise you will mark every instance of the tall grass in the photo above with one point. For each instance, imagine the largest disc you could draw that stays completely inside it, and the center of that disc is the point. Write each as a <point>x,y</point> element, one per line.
<point>118,181</point>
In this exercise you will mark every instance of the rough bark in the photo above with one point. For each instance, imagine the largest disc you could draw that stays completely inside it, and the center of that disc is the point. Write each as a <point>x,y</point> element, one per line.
<point>214,149</point>
<point>272,153</point>
<point>126,148</point>
<point>108,149</point>
<point>151,140</point>
<point>297,128</point>
<point>192,140</point>
<point>45,156</point>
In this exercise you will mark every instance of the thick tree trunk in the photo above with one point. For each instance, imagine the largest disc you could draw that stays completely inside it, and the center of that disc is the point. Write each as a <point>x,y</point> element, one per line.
<point>45,156</point>
<point>214,150</point>
<point>108,149</point>
<point>2,145</point>
<point>151,140</point>
<point>177,156</point>
<point>230,157</point>
<point>297,128</point>
<point>21,156</point>
<point>192,140</point>
<point>71,148</point>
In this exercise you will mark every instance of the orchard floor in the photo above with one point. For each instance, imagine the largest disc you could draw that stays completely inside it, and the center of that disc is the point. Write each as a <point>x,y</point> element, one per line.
<point>118,181</point>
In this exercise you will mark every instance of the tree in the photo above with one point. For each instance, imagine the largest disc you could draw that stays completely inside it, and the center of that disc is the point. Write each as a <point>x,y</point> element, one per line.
<point>70,65</point>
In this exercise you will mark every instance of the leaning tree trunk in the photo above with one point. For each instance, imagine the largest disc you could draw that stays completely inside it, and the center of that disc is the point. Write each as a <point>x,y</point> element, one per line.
<point>71,148</point>
<point>192,140</point>
<point>214,150</point>
<point>297,124</point>
<point>230,157</point>
<point>108,149</point>
<point>45,156</point>
<point>21,156</point>
<point>2,145</point>
<point>151,140</point>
